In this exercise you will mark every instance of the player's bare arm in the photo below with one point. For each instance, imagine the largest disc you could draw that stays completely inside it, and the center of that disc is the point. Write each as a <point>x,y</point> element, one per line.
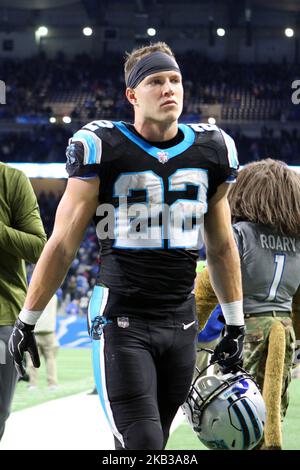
<point>73,215</point>
<point>224,267</point>
<point>222,254</point>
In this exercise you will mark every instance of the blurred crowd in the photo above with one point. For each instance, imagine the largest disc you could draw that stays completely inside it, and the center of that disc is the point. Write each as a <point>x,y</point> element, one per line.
<point>96,86</point>
<point>284,147</point>
<point>39,144</point>
<point>32,84</point>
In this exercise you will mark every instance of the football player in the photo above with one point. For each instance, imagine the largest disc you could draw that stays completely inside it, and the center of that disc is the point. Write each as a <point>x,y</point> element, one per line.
<point>151,187</point>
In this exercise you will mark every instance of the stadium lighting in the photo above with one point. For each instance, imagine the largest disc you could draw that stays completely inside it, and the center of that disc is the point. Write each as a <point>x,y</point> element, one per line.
<point>289,32</point>
<point>87,31</point>
<point>151,31</point>
<point>221,32</point>
<point>52,119</point>
<point>211,120</point>
<point>67,119</point>
<point>42,31</point>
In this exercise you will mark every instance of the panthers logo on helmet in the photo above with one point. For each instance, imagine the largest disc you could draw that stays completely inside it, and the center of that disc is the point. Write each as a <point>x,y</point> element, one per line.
<point>70,154</point>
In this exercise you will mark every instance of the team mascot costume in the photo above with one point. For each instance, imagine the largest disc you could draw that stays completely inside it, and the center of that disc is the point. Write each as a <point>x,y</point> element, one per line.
<point>265,207</point>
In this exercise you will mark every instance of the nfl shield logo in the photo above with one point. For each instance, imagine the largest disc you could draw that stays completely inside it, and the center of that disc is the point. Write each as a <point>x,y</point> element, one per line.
<point>163,156</point>
<point>123,322</point>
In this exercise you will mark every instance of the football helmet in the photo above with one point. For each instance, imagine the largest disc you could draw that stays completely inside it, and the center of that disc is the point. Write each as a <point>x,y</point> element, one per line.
<point>226,411</point>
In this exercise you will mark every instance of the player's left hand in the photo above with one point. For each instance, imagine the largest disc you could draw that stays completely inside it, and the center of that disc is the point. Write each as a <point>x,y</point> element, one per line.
<point>22,339</point>
<point>229,351</point>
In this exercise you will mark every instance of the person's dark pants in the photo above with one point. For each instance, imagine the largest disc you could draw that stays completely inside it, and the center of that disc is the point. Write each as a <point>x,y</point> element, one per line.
<point>8,377</point>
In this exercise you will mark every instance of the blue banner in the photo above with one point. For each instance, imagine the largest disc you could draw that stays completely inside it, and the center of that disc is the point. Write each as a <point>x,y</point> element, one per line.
<point>71,332</point>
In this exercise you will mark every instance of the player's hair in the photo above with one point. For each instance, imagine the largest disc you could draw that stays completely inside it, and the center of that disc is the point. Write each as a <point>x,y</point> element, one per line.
<point>267,192</point>
<point>133,57</point>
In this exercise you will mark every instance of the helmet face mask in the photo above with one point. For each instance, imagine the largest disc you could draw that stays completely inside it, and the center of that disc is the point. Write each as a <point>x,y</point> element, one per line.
<point>226,411</point>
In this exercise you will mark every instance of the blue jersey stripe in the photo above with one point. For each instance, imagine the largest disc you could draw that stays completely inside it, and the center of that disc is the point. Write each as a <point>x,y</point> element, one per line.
<point>94,309</point>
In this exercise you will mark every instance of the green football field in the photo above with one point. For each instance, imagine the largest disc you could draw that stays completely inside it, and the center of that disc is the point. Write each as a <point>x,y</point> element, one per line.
<point>75,375</point>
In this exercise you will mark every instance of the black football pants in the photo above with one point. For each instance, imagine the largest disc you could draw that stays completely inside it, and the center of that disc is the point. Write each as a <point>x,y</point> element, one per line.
<point>143,367</point>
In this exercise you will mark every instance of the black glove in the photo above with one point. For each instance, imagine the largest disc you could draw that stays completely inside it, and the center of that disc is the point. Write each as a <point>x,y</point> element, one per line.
<point>22,339</point>
<point>229,351</point>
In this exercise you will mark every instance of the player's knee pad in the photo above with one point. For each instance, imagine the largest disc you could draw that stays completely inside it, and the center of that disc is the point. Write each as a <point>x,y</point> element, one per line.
<point>144,435</point>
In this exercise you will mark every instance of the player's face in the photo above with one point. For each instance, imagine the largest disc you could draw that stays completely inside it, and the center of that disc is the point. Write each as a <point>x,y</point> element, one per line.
<point>159,97</point>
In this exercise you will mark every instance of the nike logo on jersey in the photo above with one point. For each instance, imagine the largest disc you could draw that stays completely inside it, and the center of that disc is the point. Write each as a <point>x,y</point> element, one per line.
<point>188,325</point>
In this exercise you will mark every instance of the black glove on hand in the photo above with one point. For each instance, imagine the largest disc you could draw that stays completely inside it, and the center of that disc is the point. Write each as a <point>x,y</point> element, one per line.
<point>22,339</point>
<point>229,351</point>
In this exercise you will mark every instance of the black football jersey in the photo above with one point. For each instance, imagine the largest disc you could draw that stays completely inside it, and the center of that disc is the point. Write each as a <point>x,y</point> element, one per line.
<point>152,202</point>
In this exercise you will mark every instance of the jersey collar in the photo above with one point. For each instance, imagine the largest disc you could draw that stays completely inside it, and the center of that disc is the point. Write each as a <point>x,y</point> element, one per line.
<point>188,140</point>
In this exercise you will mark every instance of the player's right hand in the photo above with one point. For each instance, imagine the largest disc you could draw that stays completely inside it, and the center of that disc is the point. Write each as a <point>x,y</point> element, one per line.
<point>22,339</point>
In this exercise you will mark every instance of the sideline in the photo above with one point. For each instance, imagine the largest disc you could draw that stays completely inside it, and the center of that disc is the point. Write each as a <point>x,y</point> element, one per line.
<point>71,423</point>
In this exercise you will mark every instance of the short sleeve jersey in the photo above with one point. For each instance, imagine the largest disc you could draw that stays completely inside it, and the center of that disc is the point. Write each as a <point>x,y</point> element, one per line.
<point>152,202</point>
